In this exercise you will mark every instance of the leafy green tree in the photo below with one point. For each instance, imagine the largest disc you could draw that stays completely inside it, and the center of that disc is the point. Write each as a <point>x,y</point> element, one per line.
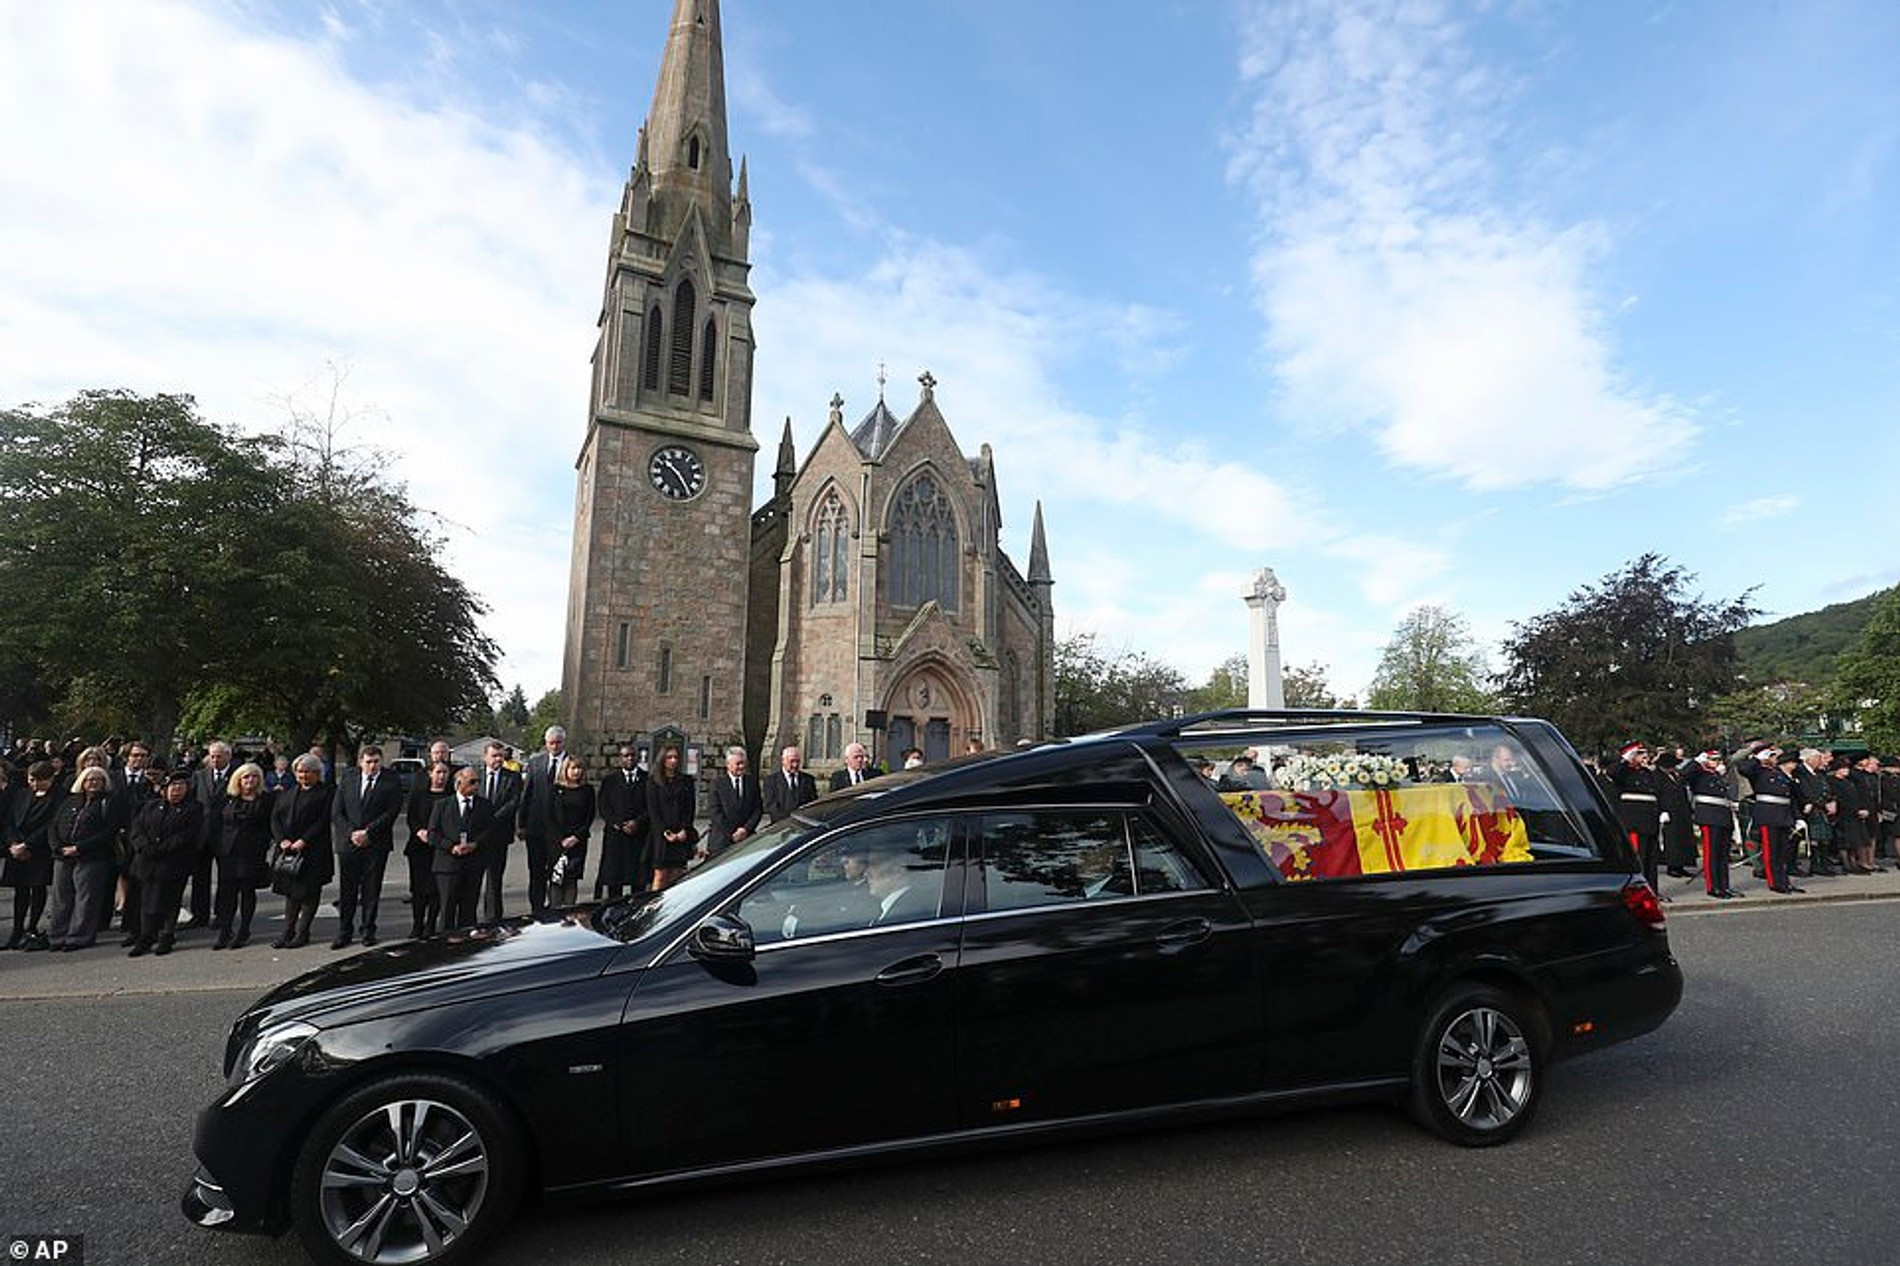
<point>1780,710</point>
<point>1307,687</point>
<point>546,712</point>
<point>1096,690</point>
<point>1226,687</point>
<point>1432,664</point>
<point>121,570</point>
<point>166,571</point>
<point>1636,655</point>
<point>1868,680</point>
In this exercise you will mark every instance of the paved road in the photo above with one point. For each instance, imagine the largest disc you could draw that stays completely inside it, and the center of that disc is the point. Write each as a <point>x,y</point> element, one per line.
<point>1758,1126</point>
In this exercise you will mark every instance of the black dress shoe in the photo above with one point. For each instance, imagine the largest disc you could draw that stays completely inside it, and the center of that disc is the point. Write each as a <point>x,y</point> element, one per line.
<point>281,942</point>
<point>1721,896</point>
<point>139,950</point>
<point>130,938</point>
<point>163,947</point>
<point>341,942</point>
<point>1733,895</point>
<point>223,941</point>
<point>240,940</point>
<point>1794,888</point>
<point>370,942</point>
<point>1677,872</point>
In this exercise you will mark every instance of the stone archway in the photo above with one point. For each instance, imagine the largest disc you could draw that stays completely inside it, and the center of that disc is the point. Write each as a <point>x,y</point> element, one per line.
<point>932,705</point>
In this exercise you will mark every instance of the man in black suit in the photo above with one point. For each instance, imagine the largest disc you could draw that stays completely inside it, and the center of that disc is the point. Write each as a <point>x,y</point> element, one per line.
<point>623,815</point>
<point>456,829</point>
<point>210,785</point>
<point>536,824</point>
<point>501,787</point>
<point>736,806</point>
<point>857,767</point>
<point>791,787</point>
<point>368,799</point>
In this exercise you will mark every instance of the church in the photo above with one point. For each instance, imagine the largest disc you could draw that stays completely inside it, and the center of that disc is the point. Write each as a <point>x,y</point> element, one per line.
<point>868,599</point>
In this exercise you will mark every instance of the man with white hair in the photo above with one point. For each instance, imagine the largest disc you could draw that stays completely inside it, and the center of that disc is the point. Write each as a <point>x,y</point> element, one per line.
<point>736,806</point>
<point>210,786</point>
<point>537,811</point>
<point>857,767</point>
<point>1816,803</point>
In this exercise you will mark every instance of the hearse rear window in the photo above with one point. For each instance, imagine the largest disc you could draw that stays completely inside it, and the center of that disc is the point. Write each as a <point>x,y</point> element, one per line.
<point>1335,805</point>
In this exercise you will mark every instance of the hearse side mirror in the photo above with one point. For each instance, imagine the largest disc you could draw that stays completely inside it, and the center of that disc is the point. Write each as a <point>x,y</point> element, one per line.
<point>722,938</point>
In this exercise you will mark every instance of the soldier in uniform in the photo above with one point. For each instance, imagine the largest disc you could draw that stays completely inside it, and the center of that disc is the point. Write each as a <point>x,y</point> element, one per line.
<point>1714,816</point>
<point>1639,790</point>
<point>1770,771</point>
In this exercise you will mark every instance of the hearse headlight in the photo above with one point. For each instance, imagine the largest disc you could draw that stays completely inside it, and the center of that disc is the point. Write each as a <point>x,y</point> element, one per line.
<point>270,1049</point>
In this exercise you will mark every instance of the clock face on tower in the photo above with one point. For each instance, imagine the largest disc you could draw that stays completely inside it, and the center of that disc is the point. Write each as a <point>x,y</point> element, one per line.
<point>677,472</point>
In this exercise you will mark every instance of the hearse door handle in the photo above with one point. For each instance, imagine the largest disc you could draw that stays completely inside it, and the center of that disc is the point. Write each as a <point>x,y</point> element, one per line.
<point>911,971</point>
<point>1186,932</point>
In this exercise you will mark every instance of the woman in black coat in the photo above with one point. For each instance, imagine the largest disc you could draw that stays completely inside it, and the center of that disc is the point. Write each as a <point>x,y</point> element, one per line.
<point>165,841</point>
<point>243,847</point>
<point>425,905</point>
<point>27,867</point>
<point>83,830</point>
<point>671,803</point>
<point>572,816</point>
<point>300,827</point>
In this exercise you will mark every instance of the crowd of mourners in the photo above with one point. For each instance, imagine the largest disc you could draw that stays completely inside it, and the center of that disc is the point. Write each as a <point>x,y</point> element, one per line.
<point>1786,812</point>
<point>113,836</point>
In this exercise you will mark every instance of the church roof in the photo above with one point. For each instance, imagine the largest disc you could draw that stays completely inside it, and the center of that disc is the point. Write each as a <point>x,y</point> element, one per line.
<point>874,434</point>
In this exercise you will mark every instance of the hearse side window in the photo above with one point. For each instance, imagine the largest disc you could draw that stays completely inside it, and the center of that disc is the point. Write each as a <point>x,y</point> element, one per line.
<point>1338,805</point>
<point>1159,865</point>
<point>1049,857</point>
<point>878,876</point>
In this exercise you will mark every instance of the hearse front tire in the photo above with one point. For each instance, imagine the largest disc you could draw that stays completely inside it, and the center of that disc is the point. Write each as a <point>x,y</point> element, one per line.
<point>418,1168</point>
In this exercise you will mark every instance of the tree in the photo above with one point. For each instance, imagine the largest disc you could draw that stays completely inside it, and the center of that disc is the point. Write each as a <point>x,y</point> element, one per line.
<point>1432,664</point>
<point>1868,679</point>
<point>1307,688</point>
<point>1226,687</point>
<point>121,575</point>
<point>547,711</point>
<point>1098,691</point>
<point>163,570</point>
<point>1781,710</point>
<point>1637,655</point>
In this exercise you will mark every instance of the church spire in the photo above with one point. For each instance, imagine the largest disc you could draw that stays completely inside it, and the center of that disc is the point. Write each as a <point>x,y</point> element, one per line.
<point>686,127</point>
<point>1039,553</point>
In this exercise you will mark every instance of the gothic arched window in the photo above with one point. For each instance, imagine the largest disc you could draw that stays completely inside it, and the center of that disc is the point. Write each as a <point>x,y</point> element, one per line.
<point>708,348</point>
<point>650,353</point>
<point>679,373</point>
<point>830,550</point>
<point>923,546</point>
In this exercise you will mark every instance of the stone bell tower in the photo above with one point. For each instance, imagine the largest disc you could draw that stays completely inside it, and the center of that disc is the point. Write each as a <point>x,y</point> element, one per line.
<point>657,587</point>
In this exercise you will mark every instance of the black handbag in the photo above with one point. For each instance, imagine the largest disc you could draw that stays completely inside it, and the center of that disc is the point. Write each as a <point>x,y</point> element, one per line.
<point>285,866</point>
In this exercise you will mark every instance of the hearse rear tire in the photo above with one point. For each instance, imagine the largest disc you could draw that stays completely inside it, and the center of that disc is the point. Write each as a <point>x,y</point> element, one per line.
<point>1478,1072</point>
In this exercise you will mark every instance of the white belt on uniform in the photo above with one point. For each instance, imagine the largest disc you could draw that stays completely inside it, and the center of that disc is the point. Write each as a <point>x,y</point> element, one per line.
<point>1772,800</point>
<point>1721,800</point>
<point>1639,795</point>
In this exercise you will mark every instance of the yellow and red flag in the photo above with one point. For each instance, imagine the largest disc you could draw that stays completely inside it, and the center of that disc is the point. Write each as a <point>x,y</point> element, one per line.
<point>1332,834</point>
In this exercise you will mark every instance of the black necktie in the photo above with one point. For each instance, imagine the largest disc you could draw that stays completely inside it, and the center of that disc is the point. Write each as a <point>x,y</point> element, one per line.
<point>491,785</point>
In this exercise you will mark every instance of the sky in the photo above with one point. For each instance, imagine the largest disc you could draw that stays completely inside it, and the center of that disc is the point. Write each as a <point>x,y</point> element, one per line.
<point>1413,301</point>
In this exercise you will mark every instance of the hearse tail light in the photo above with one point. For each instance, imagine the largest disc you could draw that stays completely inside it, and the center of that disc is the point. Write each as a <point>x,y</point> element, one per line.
<point>1640,899</point>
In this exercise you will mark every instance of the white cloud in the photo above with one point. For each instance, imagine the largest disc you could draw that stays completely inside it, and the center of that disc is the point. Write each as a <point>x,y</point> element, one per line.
<point>1402,294</point>
<point>198,206</point>
<point>1752,512</point>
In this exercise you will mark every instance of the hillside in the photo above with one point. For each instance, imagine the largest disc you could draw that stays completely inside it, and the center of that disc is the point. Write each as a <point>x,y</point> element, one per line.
<point>1802,648</point>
